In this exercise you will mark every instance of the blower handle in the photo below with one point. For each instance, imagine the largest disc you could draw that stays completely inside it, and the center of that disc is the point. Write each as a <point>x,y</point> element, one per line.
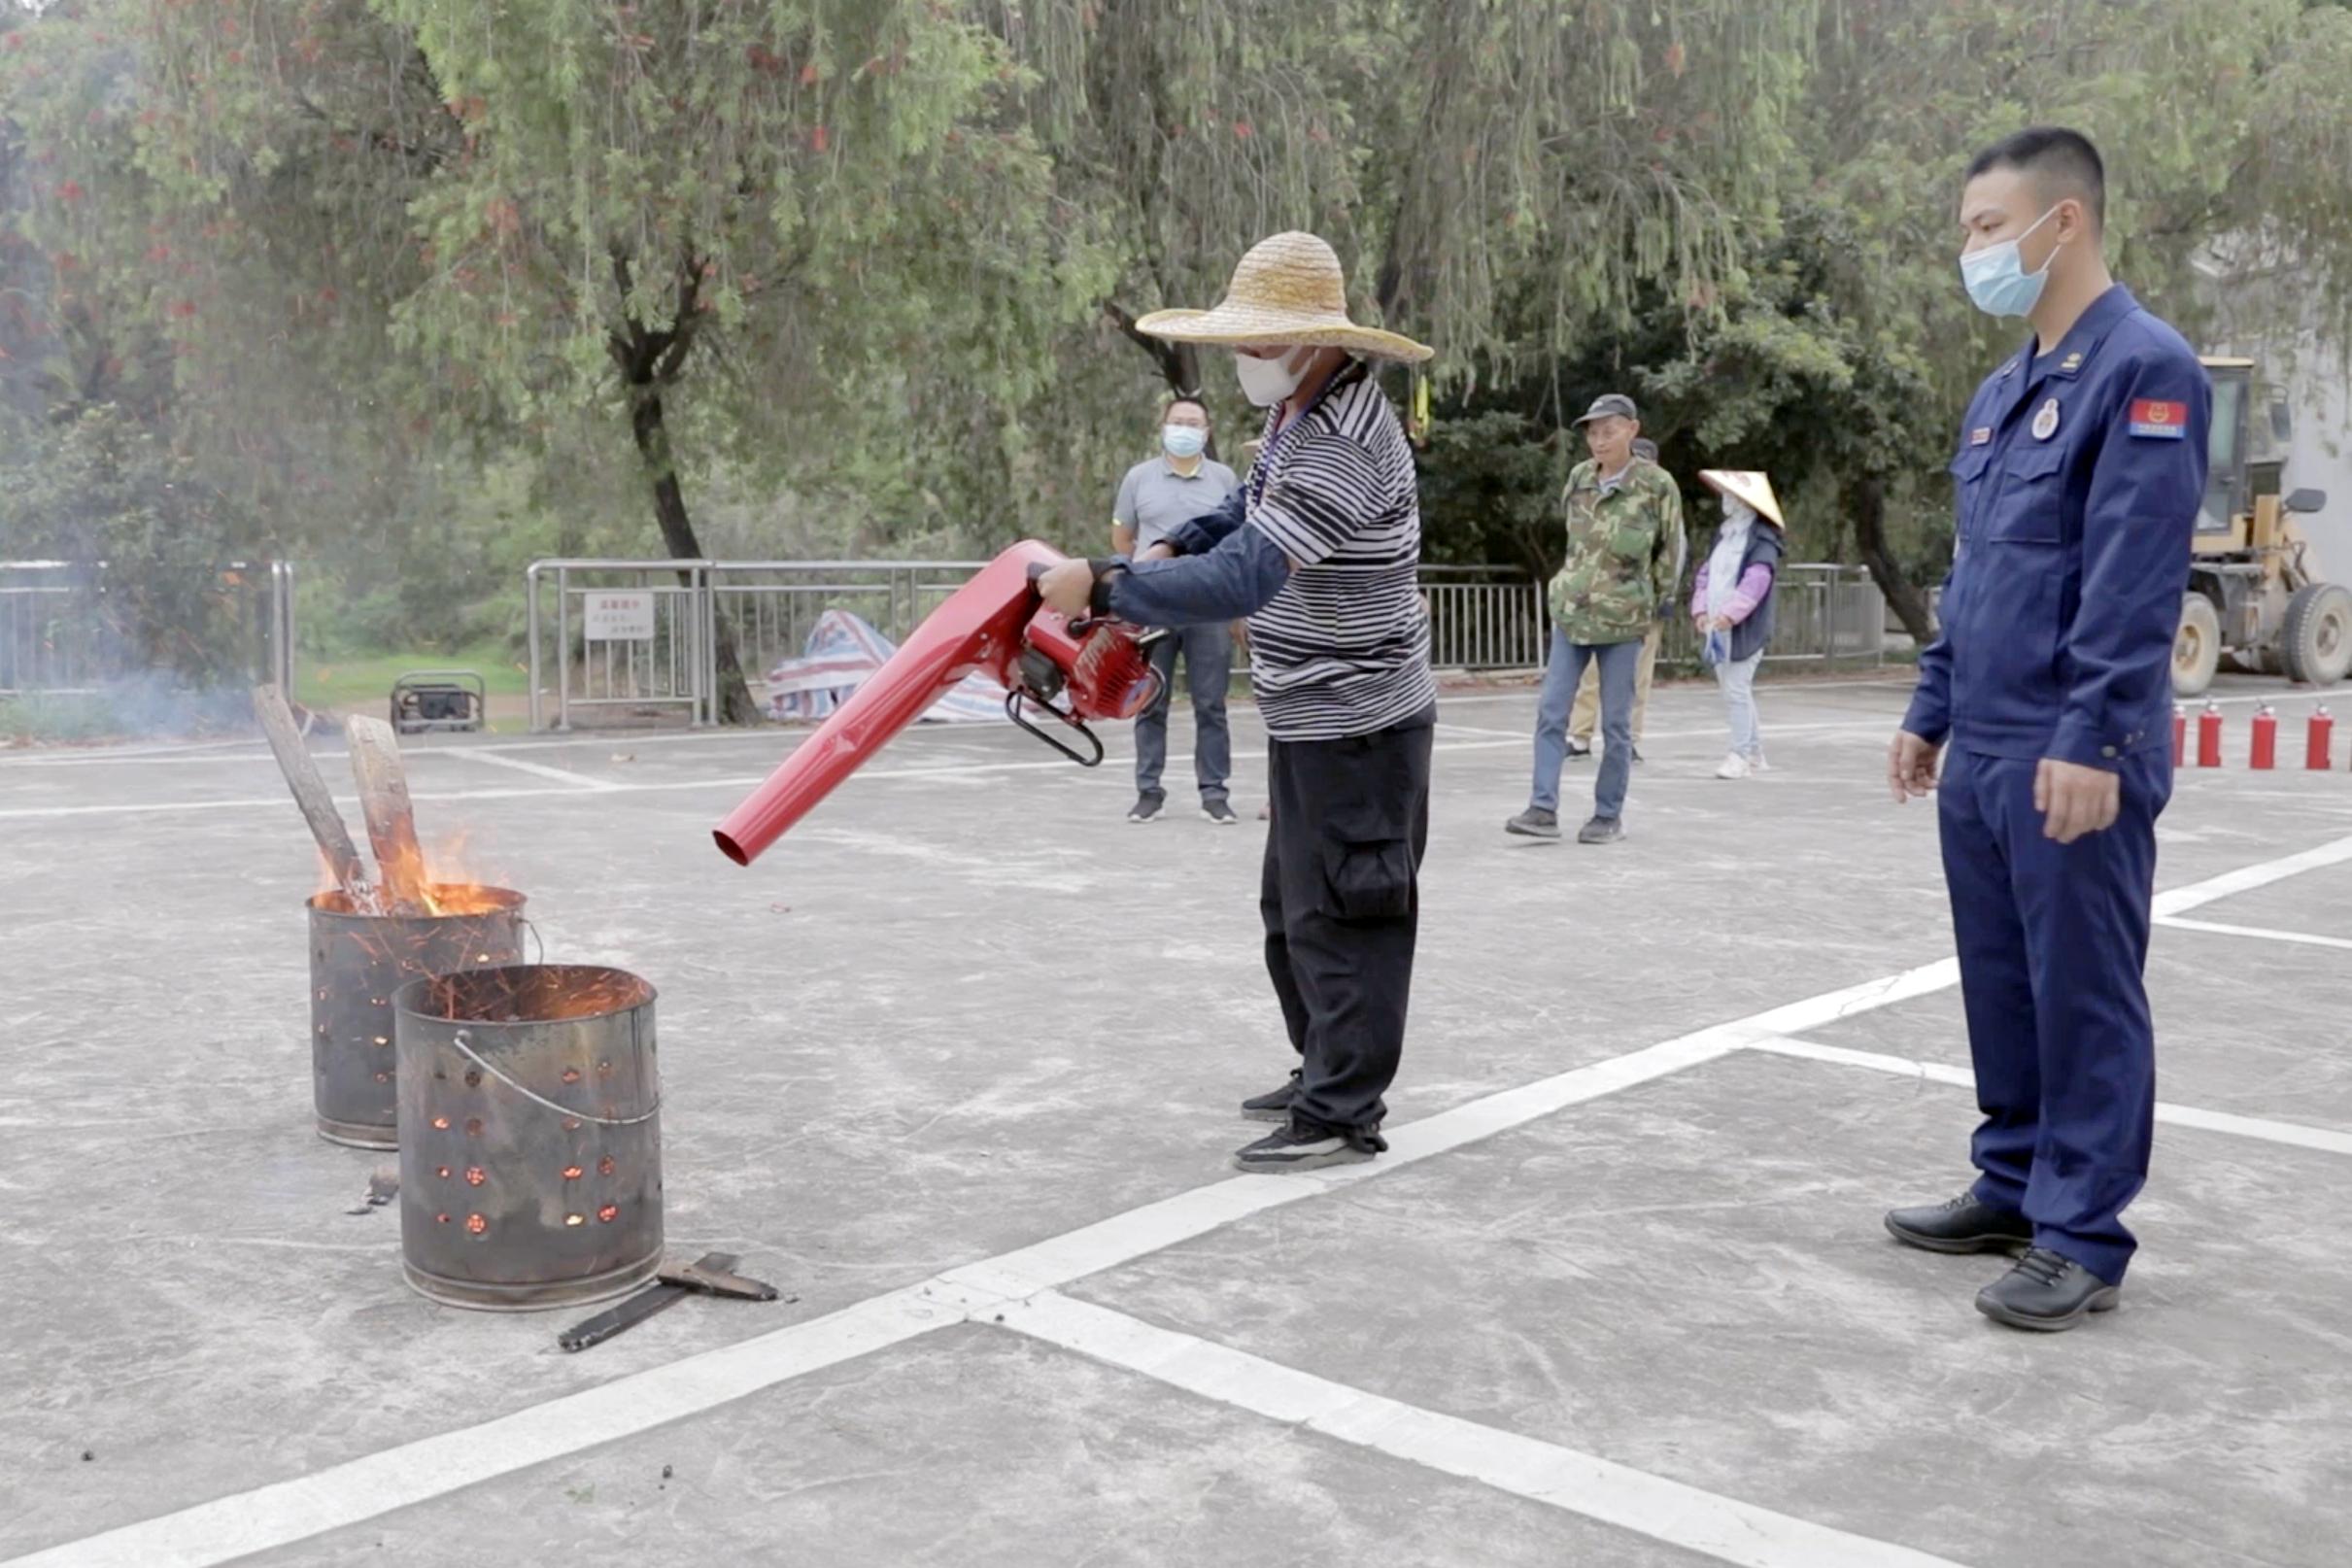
<point>1079,625</point>
<point>1018,696</point>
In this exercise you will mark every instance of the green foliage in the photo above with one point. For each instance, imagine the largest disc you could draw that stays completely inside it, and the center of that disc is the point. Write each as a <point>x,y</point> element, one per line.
<point>421,289</point>
<point>105,493</point>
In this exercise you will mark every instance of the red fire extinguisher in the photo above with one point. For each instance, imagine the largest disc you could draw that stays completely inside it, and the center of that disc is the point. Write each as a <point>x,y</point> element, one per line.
<point>2209,736</point>
<point>2319,742</point>
<point>2180,734</point>
<point>2266,740</point>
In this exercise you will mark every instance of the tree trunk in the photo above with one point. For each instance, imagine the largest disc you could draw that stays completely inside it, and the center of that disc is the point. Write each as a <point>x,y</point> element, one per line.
<point>1179,363</point>
<point>735,704</point>
<point>1868,503</point>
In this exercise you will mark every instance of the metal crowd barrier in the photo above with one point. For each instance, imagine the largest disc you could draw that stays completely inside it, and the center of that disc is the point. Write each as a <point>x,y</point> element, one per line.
<point>658,649</point>
<point>59,635</point>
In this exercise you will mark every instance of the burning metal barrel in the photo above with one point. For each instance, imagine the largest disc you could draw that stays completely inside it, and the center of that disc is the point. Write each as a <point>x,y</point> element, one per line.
<point>531,1140</point>
<point>358,962</point>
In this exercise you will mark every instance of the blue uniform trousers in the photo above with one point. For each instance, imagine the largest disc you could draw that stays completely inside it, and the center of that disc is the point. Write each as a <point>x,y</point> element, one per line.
<point>2053,946</point>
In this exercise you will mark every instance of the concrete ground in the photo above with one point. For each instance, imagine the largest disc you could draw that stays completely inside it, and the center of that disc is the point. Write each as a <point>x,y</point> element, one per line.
<point>954,1065</point>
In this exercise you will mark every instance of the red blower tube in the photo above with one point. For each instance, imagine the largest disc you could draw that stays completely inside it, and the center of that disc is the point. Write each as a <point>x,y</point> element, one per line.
<point>978,627</point>
<point>1066,670</point>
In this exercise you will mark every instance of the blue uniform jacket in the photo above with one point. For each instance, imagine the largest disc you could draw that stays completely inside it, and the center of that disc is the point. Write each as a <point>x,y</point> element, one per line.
<point>2076,489</point>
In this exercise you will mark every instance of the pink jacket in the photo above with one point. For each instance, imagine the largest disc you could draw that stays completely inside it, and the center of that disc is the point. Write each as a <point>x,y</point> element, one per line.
<point>1755,583</point>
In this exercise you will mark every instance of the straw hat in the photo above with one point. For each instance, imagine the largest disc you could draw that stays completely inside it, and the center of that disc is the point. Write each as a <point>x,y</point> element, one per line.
<point>1288,289</point>
<point>1747,484</point>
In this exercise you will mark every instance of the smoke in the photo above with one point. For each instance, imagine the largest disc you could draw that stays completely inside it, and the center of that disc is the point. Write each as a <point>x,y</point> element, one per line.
<point>147,705</point>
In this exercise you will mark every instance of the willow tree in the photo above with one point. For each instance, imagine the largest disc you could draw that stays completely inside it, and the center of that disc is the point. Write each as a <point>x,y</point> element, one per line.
<point>2226,131</point>
<point>711,221</point>
<point>1502,173</point>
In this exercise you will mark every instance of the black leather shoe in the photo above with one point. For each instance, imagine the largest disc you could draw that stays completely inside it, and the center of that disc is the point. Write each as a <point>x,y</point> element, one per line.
<point>1963,1224</point>
<point>2046,1292</point>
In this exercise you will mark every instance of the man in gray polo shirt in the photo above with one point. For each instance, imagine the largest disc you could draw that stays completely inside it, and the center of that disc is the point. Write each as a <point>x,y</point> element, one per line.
<point>1158,497</point>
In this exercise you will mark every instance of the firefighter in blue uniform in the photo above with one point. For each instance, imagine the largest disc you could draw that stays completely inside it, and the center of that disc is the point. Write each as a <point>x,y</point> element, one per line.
<point>2081,464</point>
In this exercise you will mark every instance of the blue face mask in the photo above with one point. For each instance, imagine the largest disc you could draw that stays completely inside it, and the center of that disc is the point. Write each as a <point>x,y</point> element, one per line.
<point>1996,279</point>
<point>1183,440</point>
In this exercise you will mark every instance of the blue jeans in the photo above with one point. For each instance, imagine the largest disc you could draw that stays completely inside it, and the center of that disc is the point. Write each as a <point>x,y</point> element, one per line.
<point>1738,681</point>
<point>1208,669</point>
<point>1619,662</point>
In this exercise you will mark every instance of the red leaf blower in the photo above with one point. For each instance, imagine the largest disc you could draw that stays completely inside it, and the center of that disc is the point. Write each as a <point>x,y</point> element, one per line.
<point>996,625</point>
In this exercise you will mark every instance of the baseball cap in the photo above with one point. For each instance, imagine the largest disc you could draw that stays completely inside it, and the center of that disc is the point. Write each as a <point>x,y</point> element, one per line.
<point>1608,404</point>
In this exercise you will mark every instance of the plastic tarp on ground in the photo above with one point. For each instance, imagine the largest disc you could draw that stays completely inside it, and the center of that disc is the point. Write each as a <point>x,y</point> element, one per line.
<point>842,651</point>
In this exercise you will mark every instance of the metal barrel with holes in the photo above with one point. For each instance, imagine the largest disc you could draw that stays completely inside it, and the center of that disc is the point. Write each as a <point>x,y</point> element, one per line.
<point>358,962</point>
<point>530,1136</point>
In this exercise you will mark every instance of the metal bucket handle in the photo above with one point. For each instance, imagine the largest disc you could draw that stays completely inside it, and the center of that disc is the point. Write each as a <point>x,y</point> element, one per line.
<point>532,926</point>
<point>467,1050</point>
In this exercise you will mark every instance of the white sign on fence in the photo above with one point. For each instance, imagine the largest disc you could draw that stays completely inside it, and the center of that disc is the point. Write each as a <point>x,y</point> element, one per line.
<point>620,618</point>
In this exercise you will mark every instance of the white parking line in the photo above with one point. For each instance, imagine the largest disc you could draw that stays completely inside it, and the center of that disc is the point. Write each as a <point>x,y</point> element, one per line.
<point>562,775</point>
<point>2296,1135</point>
<point>246,1523</point>
<point>228,1527</point>
<point>1721,1527</point>
<point>2303,938</point>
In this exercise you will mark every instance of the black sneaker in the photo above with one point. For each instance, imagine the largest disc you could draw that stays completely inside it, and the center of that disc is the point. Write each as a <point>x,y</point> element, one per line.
<point>1579,750</point>
<point>2047,1292</point>
<point>1219,813</point>
<point>1299,1144</point>
<point>1601,830</point>
<point>1637,755</point>
<point>1962,1224</point>
<point>1535,823</point>
<point>1275,1105</point>
<point>1147,808</point>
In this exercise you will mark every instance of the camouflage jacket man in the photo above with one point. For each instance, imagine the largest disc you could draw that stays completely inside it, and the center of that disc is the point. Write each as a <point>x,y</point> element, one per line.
<point>1624,542</point>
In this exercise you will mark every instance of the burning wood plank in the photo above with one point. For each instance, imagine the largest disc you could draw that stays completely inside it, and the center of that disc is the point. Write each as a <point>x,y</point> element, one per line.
<point>392,822</point>
<point>302,777</point>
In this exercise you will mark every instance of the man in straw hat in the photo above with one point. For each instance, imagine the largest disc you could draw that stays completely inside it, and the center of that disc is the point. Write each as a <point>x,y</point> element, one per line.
<point>1320,548</point>
<point>1625,549</point>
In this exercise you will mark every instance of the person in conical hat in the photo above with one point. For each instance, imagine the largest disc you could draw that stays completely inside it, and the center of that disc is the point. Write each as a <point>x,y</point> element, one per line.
<point>1320,548</point>
<point>1731,604</point>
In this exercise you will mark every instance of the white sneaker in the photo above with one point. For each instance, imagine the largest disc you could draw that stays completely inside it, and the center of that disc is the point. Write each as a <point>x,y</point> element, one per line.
<point>1757,765</point>
<point>1734,765</point>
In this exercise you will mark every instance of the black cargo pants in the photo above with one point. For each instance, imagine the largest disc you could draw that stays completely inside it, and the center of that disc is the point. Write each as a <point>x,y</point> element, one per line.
<point>1341,899</point>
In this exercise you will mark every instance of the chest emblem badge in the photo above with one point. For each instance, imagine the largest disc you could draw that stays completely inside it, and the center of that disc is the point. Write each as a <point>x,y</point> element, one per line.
<point>2045,420</point>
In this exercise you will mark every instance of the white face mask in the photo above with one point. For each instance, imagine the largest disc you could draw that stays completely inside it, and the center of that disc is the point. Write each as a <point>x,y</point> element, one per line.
<point>1266,381</point>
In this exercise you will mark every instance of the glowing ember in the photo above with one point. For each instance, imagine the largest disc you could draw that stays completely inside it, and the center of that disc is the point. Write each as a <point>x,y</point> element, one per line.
<point>604,1166</point>
<point>441,1124</point>
<point>441,1219</point>
<point>474,1176</point>
<point>609,1213</point>
<point>443,1172</point>
<point>571,1074</point>
<point>572,1173</point>
<point>476,1224</point>
<point>576,1219</point>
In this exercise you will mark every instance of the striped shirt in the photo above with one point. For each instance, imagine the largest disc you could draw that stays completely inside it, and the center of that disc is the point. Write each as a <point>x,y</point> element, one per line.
<point>1344,648</point>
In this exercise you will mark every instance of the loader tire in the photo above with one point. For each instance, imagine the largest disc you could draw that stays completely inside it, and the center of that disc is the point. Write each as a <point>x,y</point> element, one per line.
<point>2197,647</point>
<point>2317,639</point>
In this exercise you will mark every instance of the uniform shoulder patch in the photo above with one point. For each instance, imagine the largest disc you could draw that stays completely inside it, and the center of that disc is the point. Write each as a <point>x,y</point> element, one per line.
<point>2158,419</point>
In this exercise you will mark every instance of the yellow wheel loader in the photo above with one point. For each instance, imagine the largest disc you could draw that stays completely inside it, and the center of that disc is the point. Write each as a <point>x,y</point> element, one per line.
<point>2253,590</point>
